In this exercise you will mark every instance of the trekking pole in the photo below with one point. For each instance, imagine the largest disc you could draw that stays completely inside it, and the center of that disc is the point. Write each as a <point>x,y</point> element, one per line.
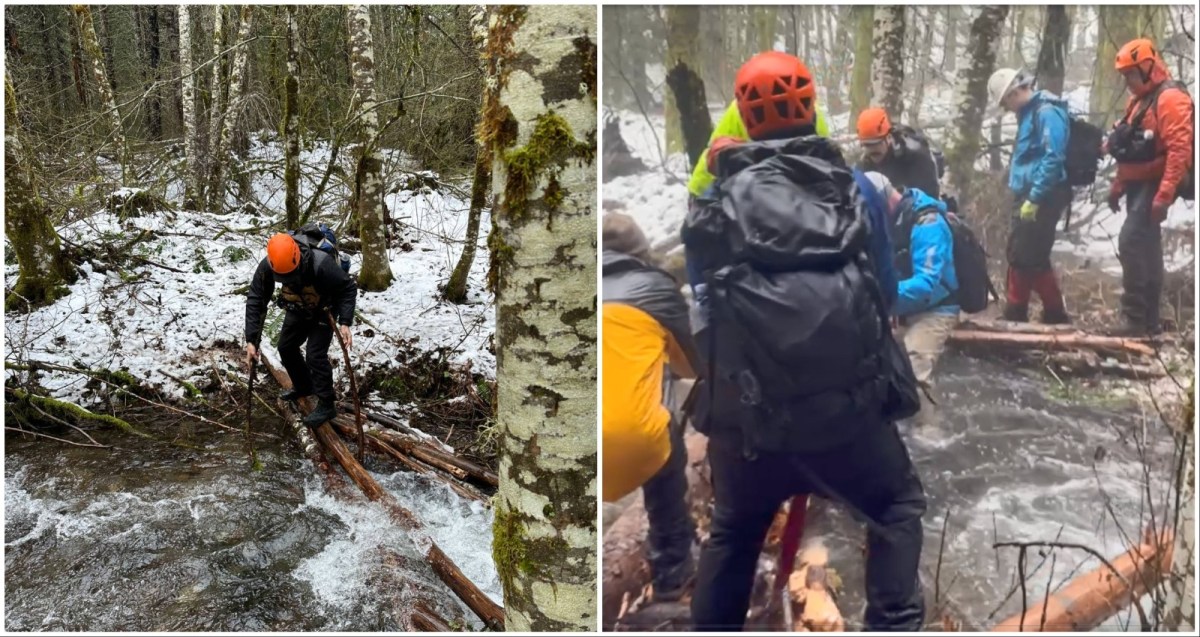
<point>358,418</point>
<point>254,464</point>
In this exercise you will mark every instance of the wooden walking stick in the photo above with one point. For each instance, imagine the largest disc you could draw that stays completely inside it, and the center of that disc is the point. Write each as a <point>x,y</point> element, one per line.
<point>358,417</point>
<point>254,464</point>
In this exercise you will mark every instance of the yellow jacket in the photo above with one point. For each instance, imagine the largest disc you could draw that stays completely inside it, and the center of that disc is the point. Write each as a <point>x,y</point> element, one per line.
<point>731,126</point>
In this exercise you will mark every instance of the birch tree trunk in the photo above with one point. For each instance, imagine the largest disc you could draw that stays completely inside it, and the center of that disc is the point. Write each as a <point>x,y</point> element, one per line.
<point>108,101</point>
<point>542,132</point>
<point>683,78</point>
<point>216,93</point>
<point>376,271</point>
<point>887,70</point>
<point>225,124</point>
<point>950,56</point>
<point>456,287</point>
<point>1052,59</point>
<point>962,145</point>
<point>291,121</point>
<point>924,61</point>
<point>42,270</point>
<point>860,78</point>
<point>191,172</point>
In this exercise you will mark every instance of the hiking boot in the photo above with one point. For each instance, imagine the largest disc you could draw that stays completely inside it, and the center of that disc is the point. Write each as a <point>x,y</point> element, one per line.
<point>291,395</point>
<point>1055,317</point>
<point>324,412</point>
<point>1018,313</point>
<point>671,586</point>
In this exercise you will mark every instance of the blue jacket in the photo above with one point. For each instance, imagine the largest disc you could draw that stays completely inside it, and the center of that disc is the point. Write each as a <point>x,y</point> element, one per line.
<point>1040,154</point>
<point>931,248</point>
<point>880,246</point>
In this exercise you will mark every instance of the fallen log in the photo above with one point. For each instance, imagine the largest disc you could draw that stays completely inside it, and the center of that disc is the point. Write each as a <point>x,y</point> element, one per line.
<point>426,620</point>
<point>1013,327</point>
<point>487,610</point>
<point>1064,341</point>
<point>1088,600</point>
<point>626,572</point>
<point>375,443</point>
<point>1091,364</point>
<point>411,445</point>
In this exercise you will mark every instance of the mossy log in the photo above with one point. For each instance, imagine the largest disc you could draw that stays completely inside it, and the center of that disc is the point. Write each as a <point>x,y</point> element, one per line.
<point>67,411</point>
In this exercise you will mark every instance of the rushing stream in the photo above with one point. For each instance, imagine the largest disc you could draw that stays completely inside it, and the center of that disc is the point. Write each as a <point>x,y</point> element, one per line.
<point>153,537</point>
<point>1014,460</point>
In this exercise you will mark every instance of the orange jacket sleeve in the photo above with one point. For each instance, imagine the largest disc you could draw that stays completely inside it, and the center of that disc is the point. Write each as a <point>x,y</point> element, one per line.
<point>1175,129</point>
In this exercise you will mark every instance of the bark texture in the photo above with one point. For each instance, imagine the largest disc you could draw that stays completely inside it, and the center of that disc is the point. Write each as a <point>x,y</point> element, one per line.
<point>542,131</point>
<point>1052,59</point>
<point>108,100</point>
<point>191,172</point>
<point>964,143</point>
<point>42,270</point>
<point>291,121</point>
<point>683,77</point>
<point>887,71</point>
<point>225,122</point>
<point>860,78</point>
<point>376,271</point>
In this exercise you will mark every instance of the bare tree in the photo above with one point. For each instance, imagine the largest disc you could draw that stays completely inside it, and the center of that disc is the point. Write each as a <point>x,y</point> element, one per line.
<point>864,46</point>
<point>683,78</point>
<point>887,69</point>
<point>108,100</point>
<point>191,171</point>
<point>42,270</point>
<point>543,138</point>
<point>224,123</point>
<point>376,273</point>
<point>291,121</point>
<point>1052,59</point>
<point>964,139</point>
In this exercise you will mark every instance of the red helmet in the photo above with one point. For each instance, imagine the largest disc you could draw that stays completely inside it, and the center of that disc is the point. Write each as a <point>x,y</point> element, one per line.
<point>775,92</point>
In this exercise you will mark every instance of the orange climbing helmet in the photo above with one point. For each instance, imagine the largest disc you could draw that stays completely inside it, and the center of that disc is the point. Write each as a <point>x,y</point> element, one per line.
<point>1136,52</point>
<point>775,93</point>
<point>873,124</point>
<point>283,253</point>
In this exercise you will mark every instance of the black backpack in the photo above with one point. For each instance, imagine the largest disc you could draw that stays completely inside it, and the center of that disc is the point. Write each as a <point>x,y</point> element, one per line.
<point>1083,155</point>
<point>902,133</point>
<point>970,260</point>
<point>797,327</point>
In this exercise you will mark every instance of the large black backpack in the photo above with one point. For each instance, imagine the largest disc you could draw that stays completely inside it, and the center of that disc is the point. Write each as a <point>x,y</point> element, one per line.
<point>1083,154</point>
<point>321,237</point>
<point>970,259</point>
<point>796,329</point>
<point>1127,144</point>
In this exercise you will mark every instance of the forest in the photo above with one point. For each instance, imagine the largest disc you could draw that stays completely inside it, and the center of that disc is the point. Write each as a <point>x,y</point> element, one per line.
<point>1053,457</point>
<point>153,481</point>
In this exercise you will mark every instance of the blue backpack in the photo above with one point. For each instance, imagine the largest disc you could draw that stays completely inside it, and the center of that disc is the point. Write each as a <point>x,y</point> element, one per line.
<point>321,237</point>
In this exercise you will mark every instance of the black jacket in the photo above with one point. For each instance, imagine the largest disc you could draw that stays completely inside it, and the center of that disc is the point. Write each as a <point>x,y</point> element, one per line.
<point>630,281</point>
<point>908,164</point>
<point>319,277</point>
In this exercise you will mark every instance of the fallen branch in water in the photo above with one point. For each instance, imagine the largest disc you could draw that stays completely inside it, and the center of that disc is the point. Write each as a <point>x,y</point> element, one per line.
<point>487,610</point>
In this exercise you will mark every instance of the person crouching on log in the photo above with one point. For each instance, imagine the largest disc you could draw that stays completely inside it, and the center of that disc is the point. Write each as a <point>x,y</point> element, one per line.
<point>312,283</point>
<point>646,329</point>
<point>797,354</point>
<point>926,304</point>
<point>1154,149</point>
<point>1038,181</point>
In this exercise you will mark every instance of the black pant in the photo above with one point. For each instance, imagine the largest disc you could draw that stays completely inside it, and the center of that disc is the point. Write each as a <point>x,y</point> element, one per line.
<point>1141,254</point>
<point>311,374</point>
<point>1030,242</point>
<point>873,475</point>
<point>672,530</point>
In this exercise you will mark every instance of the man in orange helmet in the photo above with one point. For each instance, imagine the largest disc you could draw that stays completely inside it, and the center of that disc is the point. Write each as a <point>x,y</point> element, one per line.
<point>793,333</point>
<point>900,153</point>
<point>313,284</point>
<point>1153,146</point>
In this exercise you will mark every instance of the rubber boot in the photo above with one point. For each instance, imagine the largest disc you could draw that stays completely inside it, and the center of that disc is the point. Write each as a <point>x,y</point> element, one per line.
<point>1018,286</point>
<point>1052,316</point>
<point>324,412</point>
<point>1013,312</point>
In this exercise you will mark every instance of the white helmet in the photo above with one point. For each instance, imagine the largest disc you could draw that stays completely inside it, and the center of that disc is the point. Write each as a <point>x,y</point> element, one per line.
<point>1005,80</point>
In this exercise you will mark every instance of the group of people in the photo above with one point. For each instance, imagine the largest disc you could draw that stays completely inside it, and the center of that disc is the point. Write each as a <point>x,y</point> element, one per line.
<point>804,272</point>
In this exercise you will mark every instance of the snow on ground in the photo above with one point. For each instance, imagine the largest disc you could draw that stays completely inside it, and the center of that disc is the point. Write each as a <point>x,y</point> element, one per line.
<point>158,324</point>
